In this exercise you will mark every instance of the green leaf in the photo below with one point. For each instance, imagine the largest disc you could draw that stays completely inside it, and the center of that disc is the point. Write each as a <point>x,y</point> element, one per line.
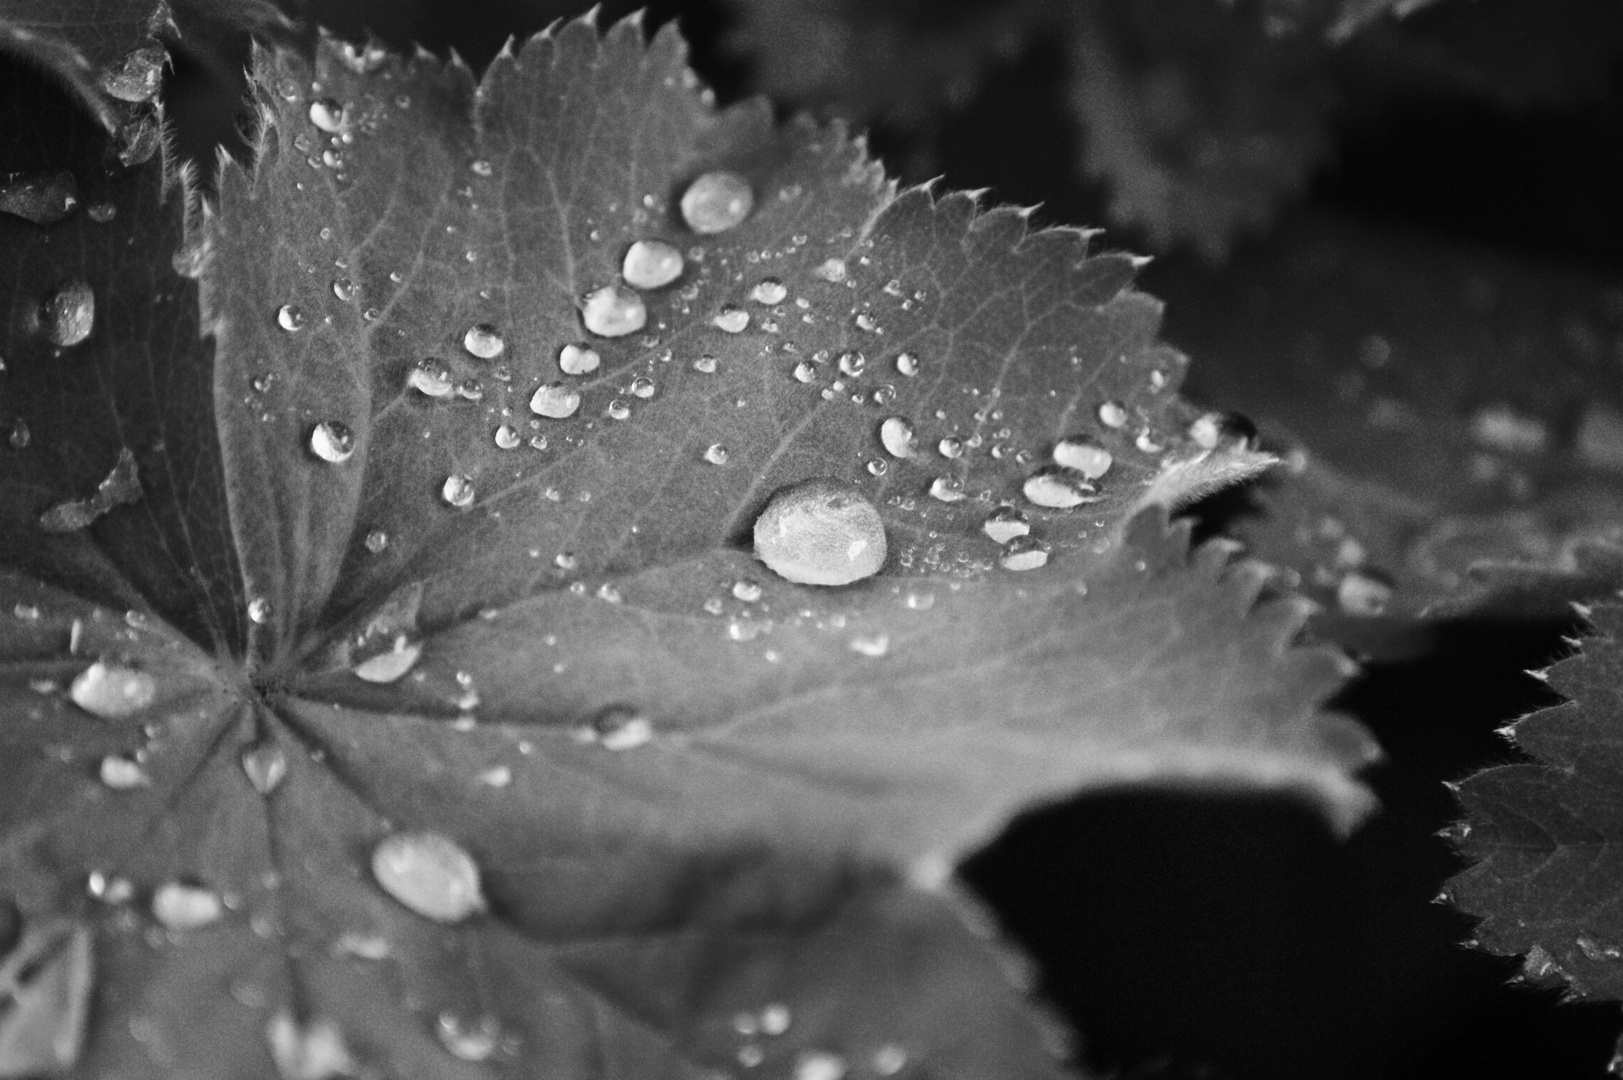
<point>1547,837</point>
<point>366,733</point>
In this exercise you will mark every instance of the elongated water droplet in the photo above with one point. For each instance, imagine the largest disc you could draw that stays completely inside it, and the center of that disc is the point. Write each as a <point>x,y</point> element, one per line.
<point>613,311</point>
<point>1112,414</point>
<point>43,198</point>
<point>313,1051</point>
<point>852,363</point>
<point>1058,488</point>
<point>1023,553</point>
<point>332,441</point>
<point>327,114</point>
<point>507,437</point>
<point>948,489</point>
<point>121,487</point>
<point>1004,524</point>
<point>731,319</point>
<point>112,691</point>
<point>391,665</point>
<point>716,202</point>
<point>430,376</point>
<point>747,590</point>
<point>651,264</point>
<point>429,873</point>
<point>716,454</point>
<point>265,766</point>
<point>290,317</point>
<point>179,906</point>
<point>469,1040</point>
<point>874,645</point>
<point>951,448</point>
<point>1083,454</point>
<point>578,359</point>
<point>69,313</point>
<point>896,433</point>
<point>484,341</point>
<point>259,610</point>
<point>458,490</point>
<point>769,291</point>
<point>122,773</point>
<point>555,400</point>
<point>820,532</point>
<point>618,727</point>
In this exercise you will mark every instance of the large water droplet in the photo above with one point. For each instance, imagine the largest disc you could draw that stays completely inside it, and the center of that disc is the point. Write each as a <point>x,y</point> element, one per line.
<point>327,114</point>
<point>179,906</point>
<point>618,727</point>
<point>618,410</point>
<point>907,364</point>
<point>265,766</point>
<point>555,400</point>
<point>470,1040</point>
<point>332,441</point>
<point>948,489</point>
<point>716,202</point>
<point>1004,524</point>
<point>1083,454</point>
<point>430,874</point>
<point>43,198</point>
<point>136,78</point>
<point>290,317</point>
<point>458,490</point>
<point>1023,553</point>
<point>805,372</point>
<point>820,532</point>
<point>731,319</point>
<point>430,376</point>
<point>769,291</point>
<point>716,454</point>
<point>1058,488</point>
<point>896,433</point>
<point>484,341</point>
<point>112,691</point>
<point>852,363</point>
<point>613,311</point>
<point>122,773</point>
<point>392,664</point>
<point>313,1051</point>
<point>578,359</point>
<point>651,264</point>
<point>69,313</point>
<point>1112,414</point>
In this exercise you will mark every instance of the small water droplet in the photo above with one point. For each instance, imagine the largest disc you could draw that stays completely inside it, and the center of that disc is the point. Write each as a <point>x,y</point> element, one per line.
<point>1215,428</point>
<point>578,359</point>
<point>259,610</point>
<point>874,645</point>
<point>852,363</point>
<point>1058,488</point>
<point>950,448</point>
<point>889,1060</point>
<point>327,114</point>
<point>429,873</point>
<point>1363,592</point>
<point>1004,524</point>
<point>555,400</point>
<point>820,532</point>
<point>179,906</point>
<point>112,691</point>
<point>948,489</point>
<point>470,389</point>
<point>123,773</point>
<point>470,1040</point>
<point>1023,553</point>
<point>877,467</point>
<point>507,437</point>
<point>1113,414</point>
<point>1083,454</point>
<point>69,313</point>
<point>716,202</point>
<point>290,317</point>
<point>747,590</point>
<point>430,376</point>
<point>907,364</point>
<point>643,388</point>
<point>832,270</point>
<point>313,1051</point>
<point>896,433</point>
<point>769,291</point>
<point>805,372</point>
<point>774,1019</point>
<point>376,541</point>
<point>651,264</point>
<point>332,441</point>
<point>819,1065</point>
<point>265,766</point>
<point>19,436</point>
<point>613,311</point>
<point>390,665</point>
<point>705,364</point>
<point>731,319</point>
<point>343,288</point>
<point>716,454</point>
<point>484,341</point>
<point>458,490</point>
<point>618,727</point>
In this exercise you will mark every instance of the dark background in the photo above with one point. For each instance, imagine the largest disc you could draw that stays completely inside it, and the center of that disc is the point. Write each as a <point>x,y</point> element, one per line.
<point>1234,937</point>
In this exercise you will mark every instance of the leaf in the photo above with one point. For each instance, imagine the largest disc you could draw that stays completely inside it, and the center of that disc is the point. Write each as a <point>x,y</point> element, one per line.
<point>1450,411</point>
<point>373,738</point>
<point>1547,836</point>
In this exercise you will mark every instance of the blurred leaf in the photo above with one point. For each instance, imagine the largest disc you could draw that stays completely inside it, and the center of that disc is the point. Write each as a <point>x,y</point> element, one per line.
<point>638,807</point>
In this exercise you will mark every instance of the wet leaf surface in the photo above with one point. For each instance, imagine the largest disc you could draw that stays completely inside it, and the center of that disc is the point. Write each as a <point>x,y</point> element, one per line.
<point>425,708</point>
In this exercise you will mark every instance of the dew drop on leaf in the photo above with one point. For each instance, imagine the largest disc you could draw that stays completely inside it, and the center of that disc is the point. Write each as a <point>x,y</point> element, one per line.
<point>122,773</point>
<point>1023,553</point>
<point>852,363</point>
<point>746,590</point>
<point>769,291</point>
<point>179,906</point>
<point>390,665</point>
<point>43,198</point>
<point>265,766</point>
<point>643,388</point>
<point>1362,592</point>
<point>613,311</point>
<point>327,114</point>
<point>820,532</point>
<point>458,490</point>
<point>651,264</point>
<point>951,448</point>
<point>705,365</point>
<point>1005,524</point>
<point>716,454</point>
<point>112,691</point>
<point>376,540</point>
<point>69,313</point>
<point>1057,488</point>
<point>332,441</point>
<point>805,372</point>
<point>819,1065</point>
<point>896,433</point>
<point>136,77</point>
<point>948,489</point>
<point>484,341</point>
<point>1214,428</point>
<point>430,376</point>
<point>731,319</point>
<point>290,317</point>
<point>469,1040</point>
<point>832,270</point>
<point>259,610</point>
<point>578,359</point>
<point>1083,454</point>
<point>1112,414</point>
<point>716,202</point>
<point>507,437</point>
<point>470,390</point>
<point>907,364</point>
<point>343,288</point>
<point>618,410</point>
<point>430,874</point>
<point>313,1051</point>
<point>618,727</point>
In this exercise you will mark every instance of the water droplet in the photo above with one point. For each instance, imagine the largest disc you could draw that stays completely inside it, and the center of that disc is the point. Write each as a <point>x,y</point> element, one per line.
<point>950,447</point>
<point>458,490</point>
<point>874,645</point>
<point>889,1060</point>
<point>907,364</point>
<point>313,1051</point>
<point>507,437</point>
<point>265,766</point>
<point>1362,592</point>
<point>705,364</point>
<point>290,317</point>
<point>474,1040</point>
<point>819,1065</point>
<point>43,198</point>
<point>618,727</point>
<point>618,410</point>
<point>122,773</point>
<point>1215,428</point>
<point>747,590</point>
<point>1057,488</point>
<point>820,532</point>
<point>805,372</point>
<point>332,441</point>
<point>831,270</point>
<point>769,291</point>
<point>101,213</point>
<point>1023,553</point>
<point>613,311</point>
<point>1113,414</point>
<point>731,319</point>
<point>896,433</point>
<point>137,76</point>
<point>390,665</point>
<point>948,489</point>
<point>327,114</point>
<point>852,363</point>
<point>555,400</point>
<point>774,1019</point>
<point>470,389</point>
<point>69,313</point>
<point>1083,454</point>
<point>259,610</point>
<point>484,341</point>
<point>1004,524</point>
<point>716,202</point>
<point>376,541</point>
<point>716,454</point>
<point>430,874</point>
<point>651,264</point>
<point>643,388</point>
<point>430,376</point>
<point>112,691</point>
<point>578,359</point>
<point>179,906</point>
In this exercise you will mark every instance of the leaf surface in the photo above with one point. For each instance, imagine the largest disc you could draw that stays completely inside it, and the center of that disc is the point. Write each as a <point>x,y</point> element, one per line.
<point>690,790</point>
